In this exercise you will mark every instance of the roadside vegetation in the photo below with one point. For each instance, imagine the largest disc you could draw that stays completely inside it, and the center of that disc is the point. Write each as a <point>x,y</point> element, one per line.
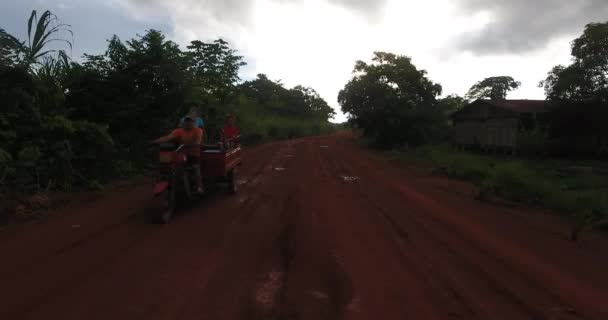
<point>68,124</point>
<point>397,107</point>
<point>578,189</point>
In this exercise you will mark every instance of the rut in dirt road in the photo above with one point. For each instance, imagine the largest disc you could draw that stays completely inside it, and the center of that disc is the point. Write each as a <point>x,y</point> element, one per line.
<point>321,229</point>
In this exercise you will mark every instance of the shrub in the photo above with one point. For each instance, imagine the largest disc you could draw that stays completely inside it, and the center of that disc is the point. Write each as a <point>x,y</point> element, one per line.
<point>528,181</point>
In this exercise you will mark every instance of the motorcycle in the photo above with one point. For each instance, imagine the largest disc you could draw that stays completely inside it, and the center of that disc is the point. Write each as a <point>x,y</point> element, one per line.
<point>175,179</point>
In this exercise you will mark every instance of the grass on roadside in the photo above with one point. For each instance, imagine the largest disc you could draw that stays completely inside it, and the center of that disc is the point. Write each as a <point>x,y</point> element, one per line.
<point>578,190</point>
<point>269,128</point>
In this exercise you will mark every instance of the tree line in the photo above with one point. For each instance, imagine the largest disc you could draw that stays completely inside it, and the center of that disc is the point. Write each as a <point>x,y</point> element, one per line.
<point>66,124</point>
<point>396,104</point>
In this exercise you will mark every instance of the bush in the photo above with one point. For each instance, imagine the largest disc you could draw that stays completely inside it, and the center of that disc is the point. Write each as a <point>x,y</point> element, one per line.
<point>527,181</point>
<point>80,125</point>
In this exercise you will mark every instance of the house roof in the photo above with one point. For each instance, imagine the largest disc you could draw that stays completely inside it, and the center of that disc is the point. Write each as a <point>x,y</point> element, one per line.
<point>508,108</point>
<point>519,106</point>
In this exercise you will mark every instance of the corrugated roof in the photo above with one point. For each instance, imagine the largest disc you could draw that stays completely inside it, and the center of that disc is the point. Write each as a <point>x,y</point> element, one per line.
<point>520,106</point>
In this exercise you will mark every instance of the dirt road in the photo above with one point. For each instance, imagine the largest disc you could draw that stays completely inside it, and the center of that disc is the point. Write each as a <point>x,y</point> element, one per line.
<point>322,229</point>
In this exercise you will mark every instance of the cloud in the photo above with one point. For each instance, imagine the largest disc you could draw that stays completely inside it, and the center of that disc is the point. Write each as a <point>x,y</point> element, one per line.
<point>239,11</point>
<point>513,26</point>
<point>370,8</point>
<point>316,42</point>
<point>518,26</point>
<point>230,11</point>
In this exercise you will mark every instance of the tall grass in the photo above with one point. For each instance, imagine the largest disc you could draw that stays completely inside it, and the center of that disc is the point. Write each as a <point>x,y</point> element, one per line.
<point>537,182</point>
<point>268,128</point>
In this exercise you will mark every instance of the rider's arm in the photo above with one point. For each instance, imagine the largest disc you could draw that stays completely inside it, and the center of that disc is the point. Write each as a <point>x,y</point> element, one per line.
<point>164,139</point>
<point>168,138</point>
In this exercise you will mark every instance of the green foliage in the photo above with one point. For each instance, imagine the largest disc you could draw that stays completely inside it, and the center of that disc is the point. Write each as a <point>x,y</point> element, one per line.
<point>494,88</point>
<point>534,182</point>
<point>214,67</point>
<point>580,91</point>
<point>586,79</point>
<point>65,125</point>
<point>10,47</point>
<point>451,104</point>
<point>392,101</point>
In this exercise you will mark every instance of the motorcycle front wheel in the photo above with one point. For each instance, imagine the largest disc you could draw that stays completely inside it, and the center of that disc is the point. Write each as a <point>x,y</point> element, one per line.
<point>164,216</point>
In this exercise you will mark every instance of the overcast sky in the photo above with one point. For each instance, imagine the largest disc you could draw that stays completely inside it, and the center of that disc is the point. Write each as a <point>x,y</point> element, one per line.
<point>316,42</point>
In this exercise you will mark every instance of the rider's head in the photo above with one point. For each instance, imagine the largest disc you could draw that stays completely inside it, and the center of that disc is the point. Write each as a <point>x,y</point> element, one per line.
<point>189,123</point>
<point>193,111</point>
<point>230,119</point>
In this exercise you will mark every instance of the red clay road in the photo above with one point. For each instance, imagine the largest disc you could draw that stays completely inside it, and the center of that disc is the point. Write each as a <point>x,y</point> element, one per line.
<point>322,229</point>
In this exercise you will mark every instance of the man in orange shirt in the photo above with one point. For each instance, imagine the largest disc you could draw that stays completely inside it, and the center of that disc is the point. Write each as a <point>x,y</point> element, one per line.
<point>192,137</point>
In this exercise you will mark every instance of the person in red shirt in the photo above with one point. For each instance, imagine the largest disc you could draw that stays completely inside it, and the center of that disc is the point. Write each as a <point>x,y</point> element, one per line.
<point>230,132</point>
<point>192,137</point>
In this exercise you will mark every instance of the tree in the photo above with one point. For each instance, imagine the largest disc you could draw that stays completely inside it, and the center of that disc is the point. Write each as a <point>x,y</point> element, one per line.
<point>494,88</point>
<point>315,105</point>
<point>579,94</point>
<point>143,78</point>
<point>392,101</point>
<point>41,146</point>
<point>214,66</point>
<point>452,103</point>
<point>65,124</point>
<point>586,79</point>
<point>10,48</point>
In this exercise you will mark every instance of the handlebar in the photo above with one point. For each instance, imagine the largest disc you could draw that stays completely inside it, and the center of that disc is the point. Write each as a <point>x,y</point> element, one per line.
<point>175,147</point>
<point>234,139</point>
<point>180,148</point>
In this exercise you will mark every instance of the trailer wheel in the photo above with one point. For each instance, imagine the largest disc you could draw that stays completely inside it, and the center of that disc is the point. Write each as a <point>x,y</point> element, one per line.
<point>232,181</point>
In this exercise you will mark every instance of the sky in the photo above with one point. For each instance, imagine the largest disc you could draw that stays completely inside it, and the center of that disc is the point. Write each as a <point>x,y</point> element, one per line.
<point>316,42</point>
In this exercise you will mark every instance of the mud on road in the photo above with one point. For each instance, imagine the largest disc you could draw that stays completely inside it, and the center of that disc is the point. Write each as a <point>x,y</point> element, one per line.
<point>321,229</point>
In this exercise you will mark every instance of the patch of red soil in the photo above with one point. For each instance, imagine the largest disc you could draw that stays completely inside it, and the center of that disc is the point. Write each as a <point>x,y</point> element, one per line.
<point>303,242</point>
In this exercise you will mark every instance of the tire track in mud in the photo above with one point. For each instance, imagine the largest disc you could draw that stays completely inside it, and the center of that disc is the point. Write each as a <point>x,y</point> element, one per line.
<point>300,279</point>
<point>445,295</point>
<point>299,242</point>
<point>74,256</point>
<point>201,265</point>
<point>382,232</point>
<point>317,285</point>
<point>111,241</point>
<point>435,235</point>
<point>249,245</point>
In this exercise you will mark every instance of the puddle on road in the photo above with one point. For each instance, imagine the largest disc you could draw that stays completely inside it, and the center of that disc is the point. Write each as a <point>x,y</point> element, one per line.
<point>320,295</point>
<point>255,181</point>
<point>353,306</point>
<point>350,179</point>
<point>267,292</point>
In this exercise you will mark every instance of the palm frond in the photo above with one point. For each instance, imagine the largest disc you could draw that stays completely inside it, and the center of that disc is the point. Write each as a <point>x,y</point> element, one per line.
<point>45,39</point>
<point>42,28</point>
<point>33,17</point>
<point>46,26</point>
<point>44,53</point>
